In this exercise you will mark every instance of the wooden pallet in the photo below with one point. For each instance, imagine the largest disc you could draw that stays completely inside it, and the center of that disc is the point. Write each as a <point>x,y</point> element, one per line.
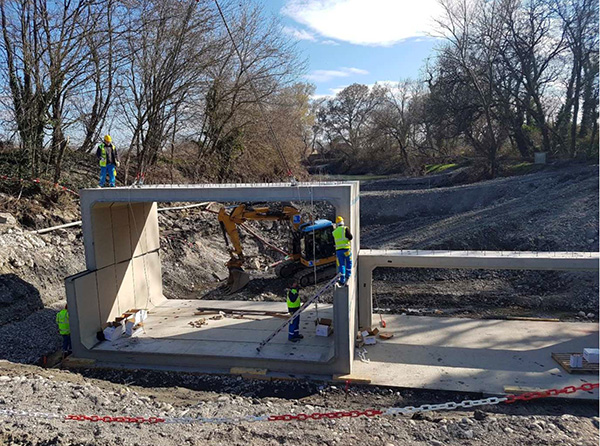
<point>564,360</point>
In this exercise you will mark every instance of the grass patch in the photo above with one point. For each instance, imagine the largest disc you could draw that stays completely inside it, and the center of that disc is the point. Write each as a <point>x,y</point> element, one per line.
<point>438,168</point>
<point>366,177</point>
<point>523,168</point>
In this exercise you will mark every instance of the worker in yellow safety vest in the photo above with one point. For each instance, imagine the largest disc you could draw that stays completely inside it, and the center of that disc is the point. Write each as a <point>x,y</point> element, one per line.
<point>108,158</point>
<point>294,304</point>
<point>62,320</point>
<point>343,250</point>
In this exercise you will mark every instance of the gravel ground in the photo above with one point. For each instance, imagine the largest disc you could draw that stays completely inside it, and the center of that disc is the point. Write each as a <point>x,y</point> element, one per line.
<point>170,395</point>
<point>549,210</point>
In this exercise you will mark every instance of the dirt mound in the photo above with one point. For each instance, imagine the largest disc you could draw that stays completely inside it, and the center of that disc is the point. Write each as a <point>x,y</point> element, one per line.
<point>545,211</point>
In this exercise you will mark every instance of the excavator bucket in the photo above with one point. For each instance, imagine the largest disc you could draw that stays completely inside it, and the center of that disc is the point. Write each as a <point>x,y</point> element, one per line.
<point>237,280</point>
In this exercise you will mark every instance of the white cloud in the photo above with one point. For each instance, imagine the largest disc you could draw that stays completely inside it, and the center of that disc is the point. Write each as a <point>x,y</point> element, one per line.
<point>355,70</point>
<point>392,85</point>
<point>327,75</point>
<point>299,34</point>
<point>329,42</point>
<point>362,22</point>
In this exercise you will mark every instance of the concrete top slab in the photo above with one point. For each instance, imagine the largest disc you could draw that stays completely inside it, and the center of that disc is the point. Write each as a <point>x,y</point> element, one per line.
<point>219,192</point>
<point>411,258</point>
<point>477,355</point>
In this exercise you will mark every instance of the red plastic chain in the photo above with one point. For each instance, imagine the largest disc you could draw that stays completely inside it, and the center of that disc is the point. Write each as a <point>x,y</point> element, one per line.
<point>321,415</point>
<point>109,419</point>
<point>527,396</point>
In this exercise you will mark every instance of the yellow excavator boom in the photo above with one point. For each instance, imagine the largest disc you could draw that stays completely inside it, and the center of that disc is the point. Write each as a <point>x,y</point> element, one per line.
<point>230,218</point>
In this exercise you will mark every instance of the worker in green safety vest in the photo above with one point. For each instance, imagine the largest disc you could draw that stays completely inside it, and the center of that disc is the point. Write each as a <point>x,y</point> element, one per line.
<point>108,159</point>
<point>343,250</point>
<point>294,304</point>
<point>62,320</point>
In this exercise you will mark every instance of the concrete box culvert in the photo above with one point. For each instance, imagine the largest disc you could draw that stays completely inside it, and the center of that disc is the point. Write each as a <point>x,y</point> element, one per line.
<point>121,240</point>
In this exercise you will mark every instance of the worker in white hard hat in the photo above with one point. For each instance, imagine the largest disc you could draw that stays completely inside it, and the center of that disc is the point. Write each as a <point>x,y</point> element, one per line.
<point>343,250</point>
<point>108,158</point>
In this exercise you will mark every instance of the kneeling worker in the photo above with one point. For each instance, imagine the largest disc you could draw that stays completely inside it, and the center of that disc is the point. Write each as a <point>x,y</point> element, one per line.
<point>294,304</point>
<point>64,328</point>
<point>343,250</point>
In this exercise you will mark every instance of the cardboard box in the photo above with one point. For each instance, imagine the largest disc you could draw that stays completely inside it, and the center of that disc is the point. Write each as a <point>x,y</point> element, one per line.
<point>591,355</point>
<point>386,336</point>
<point>131,328</point>
<point>139,314</point>
<point>114,331</point>
<point>576,361</point>
<point>324,327</point>
<point>364,333</point>
<point>370,340</point>
<point>374,331</point>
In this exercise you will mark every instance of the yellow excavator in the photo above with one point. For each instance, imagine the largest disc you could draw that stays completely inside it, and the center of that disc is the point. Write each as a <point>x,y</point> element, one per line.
<point>312,245</point>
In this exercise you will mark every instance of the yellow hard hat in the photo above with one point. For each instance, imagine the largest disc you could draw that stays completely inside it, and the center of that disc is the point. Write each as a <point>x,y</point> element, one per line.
<point>339,219</point>
<point>107,138</point>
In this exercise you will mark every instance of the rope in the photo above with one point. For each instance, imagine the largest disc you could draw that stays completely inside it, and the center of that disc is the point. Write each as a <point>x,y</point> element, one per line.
<point>312,210</point>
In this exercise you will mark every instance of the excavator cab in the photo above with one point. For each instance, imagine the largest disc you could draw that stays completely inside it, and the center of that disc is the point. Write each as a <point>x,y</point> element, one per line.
<point>317,245</point>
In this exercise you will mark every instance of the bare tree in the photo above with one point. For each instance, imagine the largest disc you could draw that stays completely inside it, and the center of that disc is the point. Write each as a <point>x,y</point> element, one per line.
<point>24,51</point>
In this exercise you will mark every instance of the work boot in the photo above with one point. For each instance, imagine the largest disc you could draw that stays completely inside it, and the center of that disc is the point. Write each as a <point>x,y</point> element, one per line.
<point>299,336</point>
<point>294,339</point>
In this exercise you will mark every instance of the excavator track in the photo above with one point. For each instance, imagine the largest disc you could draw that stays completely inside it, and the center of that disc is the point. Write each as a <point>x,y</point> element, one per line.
<point>306,277</point>
<point>288,269</point>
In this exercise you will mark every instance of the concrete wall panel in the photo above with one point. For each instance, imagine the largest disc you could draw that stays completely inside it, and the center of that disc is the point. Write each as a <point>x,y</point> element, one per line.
<point>125,286</point>
<point>102,235</point>
<point>140,283</point>
<point>104,247</point>
<point>154,272</point>
<point>107,294</point>
<point>138,216</point>
<point>88,312</point>
<point>121,236</point>
<point>151,228</point>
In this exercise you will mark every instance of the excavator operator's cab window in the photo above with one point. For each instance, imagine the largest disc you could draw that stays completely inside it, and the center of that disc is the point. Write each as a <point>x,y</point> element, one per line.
<point>324,244</point>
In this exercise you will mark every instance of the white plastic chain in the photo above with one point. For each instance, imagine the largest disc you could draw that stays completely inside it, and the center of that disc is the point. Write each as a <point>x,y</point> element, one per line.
<point>29,414</point>
<point>445,406</point>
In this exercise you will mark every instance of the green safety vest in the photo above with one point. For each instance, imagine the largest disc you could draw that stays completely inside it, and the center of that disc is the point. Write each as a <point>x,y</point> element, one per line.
<point>62,319</point>
<point>102,155</point>
<point>341,242</point>
<point>295,303</point>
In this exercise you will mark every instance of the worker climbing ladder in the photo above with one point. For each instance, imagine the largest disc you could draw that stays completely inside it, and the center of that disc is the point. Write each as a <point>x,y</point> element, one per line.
<point>328,285</point>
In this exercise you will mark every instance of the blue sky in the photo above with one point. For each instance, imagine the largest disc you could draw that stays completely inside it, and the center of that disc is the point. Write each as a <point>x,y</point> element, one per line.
<point>364,41</point>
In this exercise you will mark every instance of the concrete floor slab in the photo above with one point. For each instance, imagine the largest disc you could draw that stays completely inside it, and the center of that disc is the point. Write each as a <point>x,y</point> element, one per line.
<point>167,331</point>
<point>476,355</point>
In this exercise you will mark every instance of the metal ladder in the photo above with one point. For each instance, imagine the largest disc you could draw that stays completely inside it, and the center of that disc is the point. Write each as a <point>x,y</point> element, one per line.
<point>302,308</point>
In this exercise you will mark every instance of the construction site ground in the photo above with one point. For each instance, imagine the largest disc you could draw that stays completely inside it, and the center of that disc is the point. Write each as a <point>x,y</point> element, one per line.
<point>553,209</point>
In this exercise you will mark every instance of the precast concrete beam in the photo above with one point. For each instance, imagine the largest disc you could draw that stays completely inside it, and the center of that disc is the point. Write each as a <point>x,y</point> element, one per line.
<point>369,259</point>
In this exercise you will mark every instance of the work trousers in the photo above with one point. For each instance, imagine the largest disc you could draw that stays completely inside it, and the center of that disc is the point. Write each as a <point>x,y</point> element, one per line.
<point>111,169</point>
<point>344,264</point>
<point>67,343</point>
<point>294,327</point>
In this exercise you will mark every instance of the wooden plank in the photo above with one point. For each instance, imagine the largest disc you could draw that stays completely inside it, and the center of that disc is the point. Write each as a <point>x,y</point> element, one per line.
<point>78,362</point>
<point>207,310</point>
<point>356,379</point>
<point>516,390</point>
<point>563,360</point>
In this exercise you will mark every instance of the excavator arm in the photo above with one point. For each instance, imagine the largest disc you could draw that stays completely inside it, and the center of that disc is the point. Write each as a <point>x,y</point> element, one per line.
<point>231,217</point>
